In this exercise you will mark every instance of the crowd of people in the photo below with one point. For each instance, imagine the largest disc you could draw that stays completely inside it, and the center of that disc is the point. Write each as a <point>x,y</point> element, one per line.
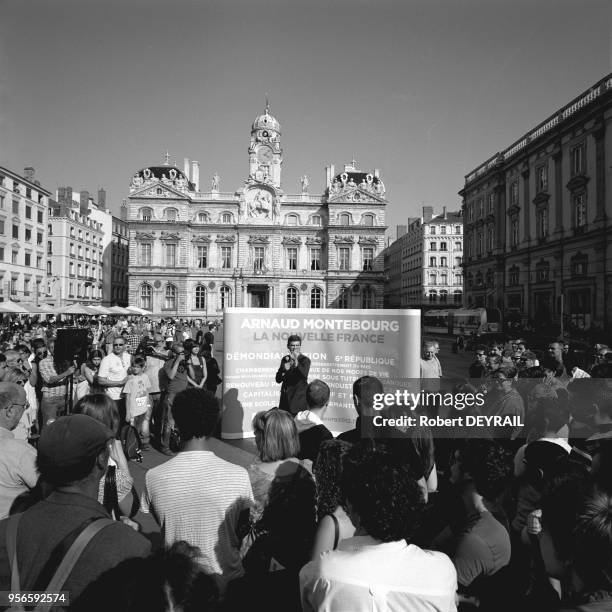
<point>518,517</point>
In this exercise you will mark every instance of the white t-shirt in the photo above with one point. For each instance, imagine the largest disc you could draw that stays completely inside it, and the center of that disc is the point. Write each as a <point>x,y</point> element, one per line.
<point>198,497</point>
<point>363,574</point>
<point>115,369</point>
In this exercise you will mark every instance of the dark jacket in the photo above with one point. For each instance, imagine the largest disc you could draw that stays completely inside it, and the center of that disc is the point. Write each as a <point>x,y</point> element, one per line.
<point>294,384</point>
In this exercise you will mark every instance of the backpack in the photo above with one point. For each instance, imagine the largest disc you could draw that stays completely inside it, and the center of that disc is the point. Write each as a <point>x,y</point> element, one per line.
<point>64,569</point>
<point>131,442</point>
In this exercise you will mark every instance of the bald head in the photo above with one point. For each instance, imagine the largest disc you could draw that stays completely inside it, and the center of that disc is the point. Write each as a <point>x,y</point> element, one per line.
<point>12,404</point>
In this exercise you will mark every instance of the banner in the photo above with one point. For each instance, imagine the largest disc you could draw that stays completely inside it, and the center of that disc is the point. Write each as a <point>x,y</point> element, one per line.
<point>343,345</point>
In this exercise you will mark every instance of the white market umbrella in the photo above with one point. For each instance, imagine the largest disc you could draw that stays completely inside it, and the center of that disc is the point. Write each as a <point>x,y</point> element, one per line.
<point>140,311</point>
<point>77,309</point>
<point>13,307</point>
<point>119,310</point>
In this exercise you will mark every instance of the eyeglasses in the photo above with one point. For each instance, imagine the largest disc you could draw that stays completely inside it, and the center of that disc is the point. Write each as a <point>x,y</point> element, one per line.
<point>118,345</point>
<point>480,355</point>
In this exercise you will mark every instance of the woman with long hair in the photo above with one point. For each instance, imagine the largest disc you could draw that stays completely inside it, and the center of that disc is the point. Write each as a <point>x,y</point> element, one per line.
<point>89,372</point>
<point>196,365</point>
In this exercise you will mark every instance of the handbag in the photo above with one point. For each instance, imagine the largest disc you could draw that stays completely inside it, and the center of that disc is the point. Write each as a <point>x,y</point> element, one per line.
<point>110,499</point>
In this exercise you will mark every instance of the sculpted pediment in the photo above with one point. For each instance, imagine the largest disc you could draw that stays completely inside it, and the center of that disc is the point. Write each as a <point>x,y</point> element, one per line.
<point>259,240</point>
<point>201,239</point>
<point>157,189</point>
<point>367,240</point>
<point>144,236</point>
<point>170,236</point>
<point>339,239</point>
<point>292,240</point>
<point>226,238</point>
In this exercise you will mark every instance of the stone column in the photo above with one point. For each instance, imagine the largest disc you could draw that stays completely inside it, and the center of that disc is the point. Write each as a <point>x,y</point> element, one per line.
<point>558,198</point>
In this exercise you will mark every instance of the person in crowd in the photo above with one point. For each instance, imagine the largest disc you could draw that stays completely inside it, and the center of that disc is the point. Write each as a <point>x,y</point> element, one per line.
<point>113,373</point>
<point>213,378</point>
<point>132,339</point>
<point>171,579</point>
<point>198,497</point>
<point>284,515</point>
<point>176,379</point>
<point>155,359</point>
<point>112,334</point>
<point>72,457</point>
<point>28,424</point>
<point>89,372</point>
<point>102,408</point>
<point>3,366</point>
<point>334,524</point>
<point>555,355</point>
<point>364,390</point>
<point>18,472</point>
<point>209,337</point>
<point>431,371</point>
<point>479,545</point>
<point>138,405</point>
<point>310,427</point>
<point>478,368</point>
<point>55,377</point>
<point>379,568</point>
<point>494,362</point>
<point>196,364</point>
<point>293,376</point>
<point>576,542</point>
<point>506,401</point>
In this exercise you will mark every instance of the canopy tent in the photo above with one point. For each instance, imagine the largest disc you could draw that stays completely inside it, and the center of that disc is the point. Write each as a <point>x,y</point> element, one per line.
<point>140,311</point>
<point>44,309</point>
<point>77,309</point>
<point>119,310</point>
<point>100,309</point>
<point>15,308</point>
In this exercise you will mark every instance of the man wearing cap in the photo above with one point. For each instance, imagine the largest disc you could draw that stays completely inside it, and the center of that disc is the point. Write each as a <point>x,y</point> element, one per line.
<point>72,457</point>
<point>175,374</point>
<point>18,473</point>
<point>113,373</point>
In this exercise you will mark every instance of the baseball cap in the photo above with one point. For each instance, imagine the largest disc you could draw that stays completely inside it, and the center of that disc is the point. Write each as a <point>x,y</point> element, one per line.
<point>71,440</point>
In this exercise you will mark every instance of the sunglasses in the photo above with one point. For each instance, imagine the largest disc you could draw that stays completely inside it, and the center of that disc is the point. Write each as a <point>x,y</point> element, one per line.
<point>118,344</point>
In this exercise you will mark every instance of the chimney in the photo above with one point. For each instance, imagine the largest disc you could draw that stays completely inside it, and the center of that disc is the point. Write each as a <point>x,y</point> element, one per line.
<point>69,197</point>
<point>28,174</point>
<point>401,230</point>
<point>186,167</point>
<point>124,210</point>
<point>195,174</point>
<point>84,203</point>
<point>102,198</point>
<point>376,172</point>
<point>427,214</point>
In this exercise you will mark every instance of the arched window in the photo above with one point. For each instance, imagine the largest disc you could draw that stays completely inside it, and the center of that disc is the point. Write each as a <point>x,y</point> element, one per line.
<point>200,297</point>
<point>292,297</point>
<point>170,298</point>
<point>367,298</point>
<point>145,214</point>
<point>433,296</point>
<point>291,220</point>
<point>226,217</point>
<point>343,298</point>
<point>443,296</point>
<point>225,297</point>
<point>344,219</point>
<point>171,214</point>
<point>315,219</point>
<point>457,296</point>
<point>316,296</point>
<point>146,297</point>
<point>203,218</point>
<point>367,220</point>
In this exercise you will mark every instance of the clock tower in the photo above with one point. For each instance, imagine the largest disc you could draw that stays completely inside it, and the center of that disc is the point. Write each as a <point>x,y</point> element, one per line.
<point>265,153</point>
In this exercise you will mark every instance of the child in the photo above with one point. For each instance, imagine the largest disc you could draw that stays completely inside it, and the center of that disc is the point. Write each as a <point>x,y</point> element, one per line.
<point>137,403</point>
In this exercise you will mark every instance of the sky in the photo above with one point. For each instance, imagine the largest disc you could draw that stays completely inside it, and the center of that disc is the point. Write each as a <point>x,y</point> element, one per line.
<point>425,90</point>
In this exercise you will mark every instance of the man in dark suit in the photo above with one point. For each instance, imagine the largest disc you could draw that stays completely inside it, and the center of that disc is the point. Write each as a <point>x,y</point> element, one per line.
<point>293,374</point>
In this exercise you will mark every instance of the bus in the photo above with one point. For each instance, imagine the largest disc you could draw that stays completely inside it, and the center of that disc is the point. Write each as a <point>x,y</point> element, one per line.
<point>436,322</point>
<point>464,321</point>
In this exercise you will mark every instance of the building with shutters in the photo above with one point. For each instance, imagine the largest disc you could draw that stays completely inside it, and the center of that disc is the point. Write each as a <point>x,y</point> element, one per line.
<point>195,250</point>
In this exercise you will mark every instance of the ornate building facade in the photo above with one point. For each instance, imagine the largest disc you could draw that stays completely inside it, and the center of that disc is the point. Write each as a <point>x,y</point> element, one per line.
<point>193,252</point>
<point>424,264</point>
<point>538,235</point>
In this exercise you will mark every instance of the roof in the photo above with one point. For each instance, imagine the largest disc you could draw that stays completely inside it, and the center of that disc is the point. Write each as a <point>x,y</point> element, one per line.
<point>451,217</point>
<point>159,171</point>
<point>266,121</point>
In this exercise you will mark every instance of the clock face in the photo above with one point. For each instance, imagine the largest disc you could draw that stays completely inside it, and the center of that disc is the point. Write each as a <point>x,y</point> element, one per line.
<point>264,154</point>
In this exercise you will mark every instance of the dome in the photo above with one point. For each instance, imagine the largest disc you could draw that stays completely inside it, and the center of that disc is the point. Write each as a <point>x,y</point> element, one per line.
<point>266,121</point>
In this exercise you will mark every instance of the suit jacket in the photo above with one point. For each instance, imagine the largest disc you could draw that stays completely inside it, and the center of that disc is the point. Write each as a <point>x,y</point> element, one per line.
<point>294,384</point>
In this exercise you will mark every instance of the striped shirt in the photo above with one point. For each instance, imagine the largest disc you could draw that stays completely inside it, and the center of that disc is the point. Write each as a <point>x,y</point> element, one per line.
<point>198,497</point>
<point>46,369</point>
